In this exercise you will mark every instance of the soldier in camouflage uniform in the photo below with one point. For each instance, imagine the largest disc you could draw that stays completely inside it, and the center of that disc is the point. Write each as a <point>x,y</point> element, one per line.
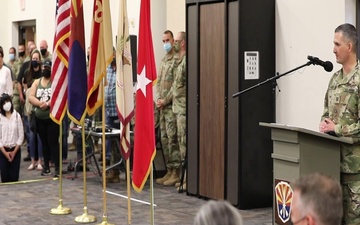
<point>341,115</point>
<point>178,94</point>
<point>167,118</point>
<point>15,64</point>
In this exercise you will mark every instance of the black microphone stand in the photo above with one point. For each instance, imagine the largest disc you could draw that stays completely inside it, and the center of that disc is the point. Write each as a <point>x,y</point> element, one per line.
<point>271,78</point>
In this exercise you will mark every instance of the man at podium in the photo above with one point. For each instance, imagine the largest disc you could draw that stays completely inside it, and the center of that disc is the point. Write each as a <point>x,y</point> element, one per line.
<point>341,117</point>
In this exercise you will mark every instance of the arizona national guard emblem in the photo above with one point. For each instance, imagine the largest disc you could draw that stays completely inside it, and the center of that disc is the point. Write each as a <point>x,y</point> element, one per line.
<point>284,195</point>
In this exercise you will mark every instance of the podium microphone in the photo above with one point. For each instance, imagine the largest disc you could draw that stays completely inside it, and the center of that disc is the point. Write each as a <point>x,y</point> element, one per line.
<point>328,66</point>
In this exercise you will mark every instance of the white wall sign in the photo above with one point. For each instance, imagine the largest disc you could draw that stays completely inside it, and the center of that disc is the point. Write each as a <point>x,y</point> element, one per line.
<point>251,65</point>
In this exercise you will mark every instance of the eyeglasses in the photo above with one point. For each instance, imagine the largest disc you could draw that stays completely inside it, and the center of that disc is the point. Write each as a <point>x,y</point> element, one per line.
<point>294,223</point>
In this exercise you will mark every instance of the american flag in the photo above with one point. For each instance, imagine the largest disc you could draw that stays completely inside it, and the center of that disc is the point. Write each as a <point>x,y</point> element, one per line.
<point>60,60</point>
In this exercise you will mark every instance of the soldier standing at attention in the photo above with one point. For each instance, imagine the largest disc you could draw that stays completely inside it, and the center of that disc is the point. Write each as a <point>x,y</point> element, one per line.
<point>177,95</point>
<point>341,115</point>
<point>167,118</point>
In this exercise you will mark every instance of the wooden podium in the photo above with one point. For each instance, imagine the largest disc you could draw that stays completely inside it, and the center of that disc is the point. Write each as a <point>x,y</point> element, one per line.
<point>296,152</point>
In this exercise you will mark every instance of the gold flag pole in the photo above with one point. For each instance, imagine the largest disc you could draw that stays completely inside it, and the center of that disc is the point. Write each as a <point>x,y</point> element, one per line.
<point>128,187</point>
<point>151,195</point>
<point>103,140</point>
<point>60,210</point>
<point>85,217</point>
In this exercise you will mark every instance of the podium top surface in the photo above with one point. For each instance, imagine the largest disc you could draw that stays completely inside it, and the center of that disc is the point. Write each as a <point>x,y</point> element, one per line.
<point>345,140</point>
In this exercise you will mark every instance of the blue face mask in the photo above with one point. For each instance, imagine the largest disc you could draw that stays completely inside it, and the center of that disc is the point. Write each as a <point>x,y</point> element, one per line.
<point>167,47</point>
<point>11,56</point>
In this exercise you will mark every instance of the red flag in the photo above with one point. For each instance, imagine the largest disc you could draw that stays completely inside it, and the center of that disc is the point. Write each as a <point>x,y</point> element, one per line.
<point>144,146</point>
<point>60,60</point>
<point>77,89</point>
<point>124,81</point>
<point>101,53</point>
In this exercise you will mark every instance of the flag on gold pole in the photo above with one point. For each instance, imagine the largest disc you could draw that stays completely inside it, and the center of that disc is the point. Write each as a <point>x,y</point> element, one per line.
<point>77,88</point>
<point>144,146</point>
<point>101,53</point>
<point>60,60</point>
<point>124,81</point>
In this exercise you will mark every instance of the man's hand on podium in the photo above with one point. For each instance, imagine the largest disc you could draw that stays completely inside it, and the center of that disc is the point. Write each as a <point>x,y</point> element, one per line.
<point>327,125</point>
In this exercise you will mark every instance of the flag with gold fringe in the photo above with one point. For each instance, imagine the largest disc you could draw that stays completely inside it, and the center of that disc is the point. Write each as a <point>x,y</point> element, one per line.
<point>124,81</point>
<point>101,53</point>
<point>60,60</point>
<point>144,144</point>
<point>77,88</point>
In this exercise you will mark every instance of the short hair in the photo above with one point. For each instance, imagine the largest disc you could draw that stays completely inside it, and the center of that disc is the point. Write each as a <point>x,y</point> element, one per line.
<point>5,98</point>
<point>169,32</point>
<point>13,49</point>
<point>349,33</point>
<point>218,213</point>
<point>1,52</point>
<point>322,196</point>
<point>183,35</point>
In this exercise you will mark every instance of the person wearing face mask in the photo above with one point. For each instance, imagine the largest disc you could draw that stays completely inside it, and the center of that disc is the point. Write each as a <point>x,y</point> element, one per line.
<point>11,138</point>
<point>25,60</point>
<point>6,85</point>
<point>177,95</point>
<point>11,62</point>
<point>34,142</point>
<point>45,54</point>
<point>167,118</point>
<point>14,65</point>
<point>40,98</point>
<point>24,69</point>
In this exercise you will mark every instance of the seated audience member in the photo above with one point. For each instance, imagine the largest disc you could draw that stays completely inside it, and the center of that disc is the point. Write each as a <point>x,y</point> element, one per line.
<point>11,139</point>
<point>317,200</point>
<point>218,213</point>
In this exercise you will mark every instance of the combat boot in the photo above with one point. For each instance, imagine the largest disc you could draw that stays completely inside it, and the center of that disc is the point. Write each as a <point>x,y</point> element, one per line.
<point>174,178</point>
<point>178,183</point>
<point>113,176</point>
<point>164,178</point>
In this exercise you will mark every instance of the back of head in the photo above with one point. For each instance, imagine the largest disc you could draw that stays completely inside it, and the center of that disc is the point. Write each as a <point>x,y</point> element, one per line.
<point>218,213</point>
<point>321,196</point>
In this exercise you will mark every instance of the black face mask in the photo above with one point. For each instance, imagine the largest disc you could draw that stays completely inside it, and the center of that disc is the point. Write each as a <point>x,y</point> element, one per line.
<point>46,73</point>
<point>21,54</point>
<point>34,63</point>
<point>43,52</point>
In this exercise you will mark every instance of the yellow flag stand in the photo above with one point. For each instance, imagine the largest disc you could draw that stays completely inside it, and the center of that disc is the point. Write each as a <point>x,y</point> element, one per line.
<point>103,140</point>
<point>60,210</point>
<point>85,217</point>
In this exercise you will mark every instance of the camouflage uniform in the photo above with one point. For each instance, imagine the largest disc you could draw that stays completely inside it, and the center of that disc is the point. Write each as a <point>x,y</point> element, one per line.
<point>178,94</point>
<point>167,119</point>
<point>15,68</point>
<point>342,105</point>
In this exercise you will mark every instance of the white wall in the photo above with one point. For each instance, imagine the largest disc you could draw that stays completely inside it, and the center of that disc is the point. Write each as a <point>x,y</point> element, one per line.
<point>43,12</point>
<point>305,28</point>
<point>302,28</point>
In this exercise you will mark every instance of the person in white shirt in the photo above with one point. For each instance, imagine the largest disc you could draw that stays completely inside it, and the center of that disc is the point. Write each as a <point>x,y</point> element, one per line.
<point>6,84</point>
<point>11,138</point>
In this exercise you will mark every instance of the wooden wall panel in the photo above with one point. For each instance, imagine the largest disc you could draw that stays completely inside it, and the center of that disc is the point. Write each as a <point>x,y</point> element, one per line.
<point>212,101</point>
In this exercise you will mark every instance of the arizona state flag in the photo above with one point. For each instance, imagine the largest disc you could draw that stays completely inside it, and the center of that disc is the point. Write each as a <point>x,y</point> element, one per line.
<point>144,146</point>
<point>77,89</point>
<point>124,81</point>
<point>101,53</point>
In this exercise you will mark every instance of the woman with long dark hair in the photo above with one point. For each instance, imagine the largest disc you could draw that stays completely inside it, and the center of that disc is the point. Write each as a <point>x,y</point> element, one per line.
<point>40,98</point>
<point>11,139</point>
